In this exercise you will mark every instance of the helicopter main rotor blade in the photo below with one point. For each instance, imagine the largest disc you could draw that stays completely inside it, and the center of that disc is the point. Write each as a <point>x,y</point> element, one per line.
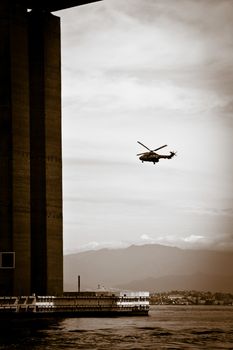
<point>159,148</point>
<point>143,145</point>
<point>139,154</point>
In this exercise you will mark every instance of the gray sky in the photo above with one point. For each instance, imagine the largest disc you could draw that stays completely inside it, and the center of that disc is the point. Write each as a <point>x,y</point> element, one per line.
<point>161,72</point>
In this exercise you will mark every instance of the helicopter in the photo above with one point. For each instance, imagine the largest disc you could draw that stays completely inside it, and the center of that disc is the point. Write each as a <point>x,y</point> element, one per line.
<point>153,157</point>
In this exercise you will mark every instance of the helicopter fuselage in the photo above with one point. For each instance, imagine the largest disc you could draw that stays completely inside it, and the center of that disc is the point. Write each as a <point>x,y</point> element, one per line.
<point>155,157</point>
<point>150,157</point>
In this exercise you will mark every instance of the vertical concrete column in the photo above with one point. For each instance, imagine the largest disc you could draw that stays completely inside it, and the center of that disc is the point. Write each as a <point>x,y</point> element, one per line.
<point>14,150</point>
<point>46,164</point>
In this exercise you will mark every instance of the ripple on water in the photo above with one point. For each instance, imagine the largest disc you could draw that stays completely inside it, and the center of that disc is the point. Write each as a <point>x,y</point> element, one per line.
<point>166,328</point>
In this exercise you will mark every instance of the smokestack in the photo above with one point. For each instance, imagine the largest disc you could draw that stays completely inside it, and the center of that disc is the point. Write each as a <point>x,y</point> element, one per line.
<point>78,283</point>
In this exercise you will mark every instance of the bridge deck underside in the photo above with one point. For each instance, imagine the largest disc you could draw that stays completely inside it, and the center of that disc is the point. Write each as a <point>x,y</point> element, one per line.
<point>53,5</point>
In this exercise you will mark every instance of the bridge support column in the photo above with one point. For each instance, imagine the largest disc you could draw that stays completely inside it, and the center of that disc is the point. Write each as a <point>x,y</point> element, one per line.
<point>45,141</point>
<point>30,152</point>
<point>15,230</point>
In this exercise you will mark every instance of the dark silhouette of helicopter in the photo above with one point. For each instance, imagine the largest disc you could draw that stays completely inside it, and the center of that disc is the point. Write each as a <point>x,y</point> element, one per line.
<point>153,157</point>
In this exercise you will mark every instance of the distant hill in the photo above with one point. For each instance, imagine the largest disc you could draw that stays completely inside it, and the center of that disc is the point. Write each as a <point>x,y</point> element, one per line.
<point>198,281</point>
<point>153,267</point>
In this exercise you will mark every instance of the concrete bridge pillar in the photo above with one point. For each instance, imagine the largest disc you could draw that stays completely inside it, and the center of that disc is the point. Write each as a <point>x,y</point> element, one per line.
<point>45,148</point>
<point>15,257</point>
<point>31,257</point>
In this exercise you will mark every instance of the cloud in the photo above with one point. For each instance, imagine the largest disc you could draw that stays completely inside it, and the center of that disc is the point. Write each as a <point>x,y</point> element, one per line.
<point>151,55</point>
<point>222,242</point>
<point>158,95</point>
<point>145,237</point>
<point>210,211</point>
<point>193,238</point>
<point>93,245</point>
<point>159,72</point>
<point>167,33</point>
<point>192,241</point>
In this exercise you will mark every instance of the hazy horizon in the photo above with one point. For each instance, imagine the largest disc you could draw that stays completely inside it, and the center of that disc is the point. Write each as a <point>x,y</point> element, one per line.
<point>84,249</point>
<point>159,72</point>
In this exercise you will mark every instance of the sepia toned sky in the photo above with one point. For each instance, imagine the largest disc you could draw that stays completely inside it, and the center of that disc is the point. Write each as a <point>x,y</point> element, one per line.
<point>161,72</point>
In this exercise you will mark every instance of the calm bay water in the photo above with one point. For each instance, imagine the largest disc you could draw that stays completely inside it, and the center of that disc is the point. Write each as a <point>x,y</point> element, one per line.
<point>167,327</point>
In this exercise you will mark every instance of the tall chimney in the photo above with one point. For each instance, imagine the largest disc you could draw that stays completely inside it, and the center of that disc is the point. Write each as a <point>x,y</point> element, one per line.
<point>78,283</point>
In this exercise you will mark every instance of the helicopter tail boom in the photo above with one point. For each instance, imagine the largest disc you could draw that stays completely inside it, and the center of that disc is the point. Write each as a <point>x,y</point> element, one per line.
<point>168,156</point>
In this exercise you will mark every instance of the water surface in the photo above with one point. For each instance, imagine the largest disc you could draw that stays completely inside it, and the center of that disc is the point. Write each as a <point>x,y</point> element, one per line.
<point>166,327</point>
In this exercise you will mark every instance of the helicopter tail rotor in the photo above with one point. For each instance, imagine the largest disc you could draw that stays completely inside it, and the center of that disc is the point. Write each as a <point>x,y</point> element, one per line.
<point>173,153</point>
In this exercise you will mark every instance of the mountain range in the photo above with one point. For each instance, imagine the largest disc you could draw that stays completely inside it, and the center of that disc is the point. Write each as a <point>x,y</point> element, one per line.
<point>151,267</point>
